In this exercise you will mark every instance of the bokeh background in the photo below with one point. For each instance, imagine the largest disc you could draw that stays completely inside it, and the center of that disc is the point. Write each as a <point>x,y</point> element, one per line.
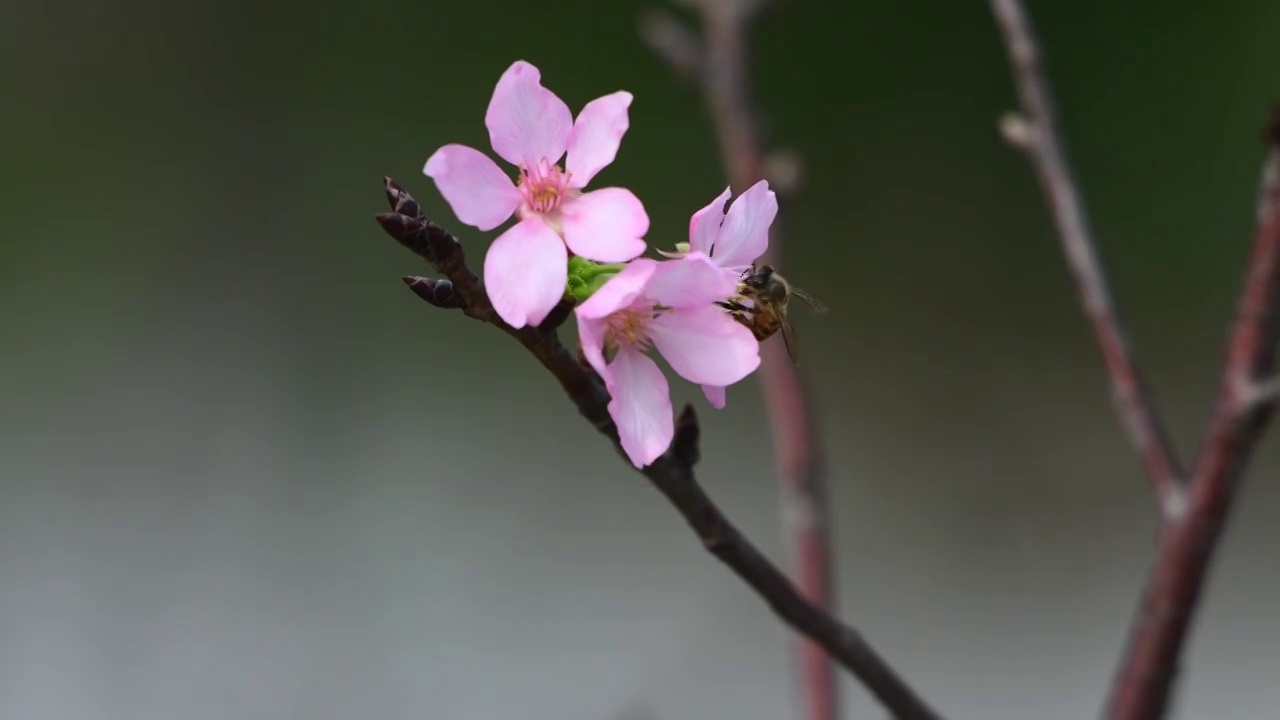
<point>244,473</point>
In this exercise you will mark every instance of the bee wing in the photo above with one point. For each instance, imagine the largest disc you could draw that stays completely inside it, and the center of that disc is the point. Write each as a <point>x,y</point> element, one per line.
<point>791,340</point>
<point>812,300</point>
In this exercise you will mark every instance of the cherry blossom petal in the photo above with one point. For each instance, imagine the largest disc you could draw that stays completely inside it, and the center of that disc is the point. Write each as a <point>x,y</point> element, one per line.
<point>525,272</point>
<point>640,406</point>
<point>619,292</point>
<point>526,121</point>
<point>704,226</point>
<point>591,337</point>
<point>706,346</point>
<point>480,194</point>
<point>605,225</point>
<point>692,281</point>
<point>745,233</point>
<point>715,395</point>
<point>595,137</point>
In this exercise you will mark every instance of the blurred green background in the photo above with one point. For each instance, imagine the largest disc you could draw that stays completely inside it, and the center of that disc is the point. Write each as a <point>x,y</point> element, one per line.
<point>247,474</point>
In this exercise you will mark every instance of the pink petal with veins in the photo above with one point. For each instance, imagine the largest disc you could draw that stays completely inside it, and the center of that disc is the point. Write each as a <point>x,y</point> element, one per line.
<point>704,226</point>
<point>525,272</point>
<point>693,280</point>
<point>620,291</point>
<point>526,121</point>
<point>605,225</point>
<point>640,406</point>
<point>591,334</point>
<point>595,137</point>
<point>473,185</point>
<point>745,234</point>
<point>706,346</point>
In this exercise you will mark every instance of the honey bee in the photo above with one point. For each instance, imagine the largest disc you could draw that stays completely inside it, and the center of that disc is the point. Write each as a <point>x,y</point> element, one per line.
<point>769,295</point>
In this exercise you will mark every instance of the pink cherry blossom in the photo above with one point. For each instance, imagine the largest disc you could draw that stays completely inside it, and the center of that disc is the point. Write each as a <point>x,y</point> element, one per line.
<point>732,240</point>
<point>737,239</point>
<point>668,306</point>
<point>532,128</point>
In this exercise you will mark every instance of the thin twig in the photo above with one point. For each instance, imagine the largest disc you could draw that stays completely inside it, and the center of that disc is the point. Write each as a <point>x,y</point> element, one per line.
<point>802,474</point>
<point>1145,678</point>
<point>1194,517</point>
<point>672,473</point>
<point>1035,132</point>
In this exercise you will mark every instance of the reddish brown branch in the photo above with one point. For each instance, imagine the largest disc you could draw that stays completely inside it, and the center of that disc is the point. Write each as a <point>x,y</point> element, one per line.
<point>721,66</point>
<point>1194,517</point>
<point>672,473</point>
<point>1035,132</point>
<point>1246,396</point>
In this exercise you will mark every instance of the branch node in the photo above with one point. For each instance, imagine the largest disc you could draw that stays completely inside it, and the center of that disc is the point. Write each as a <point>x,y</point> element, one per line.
<point>1017,130</point>
<point>1173,504</point>
<point>673,42</point>
<point>716,544</point>
<point>784,169</point>
<point>1251,394</point>
<point>441,243</point>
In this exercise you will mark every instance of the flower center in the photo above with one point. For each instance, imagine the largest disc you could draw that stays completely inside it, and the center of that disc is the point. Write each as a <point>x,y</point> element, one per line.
<point>544,187</point>
<point>630,327</point>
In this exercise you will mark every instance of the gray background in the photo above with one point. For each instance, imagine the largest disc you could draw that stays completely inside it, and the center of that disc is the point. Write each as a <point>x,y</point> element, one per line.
<point>245,474</point>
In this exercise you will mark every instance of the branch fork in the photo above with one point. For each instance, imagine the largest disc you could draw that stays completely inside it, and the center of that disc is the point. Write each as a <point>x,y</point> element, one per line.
<point>1194,507</point>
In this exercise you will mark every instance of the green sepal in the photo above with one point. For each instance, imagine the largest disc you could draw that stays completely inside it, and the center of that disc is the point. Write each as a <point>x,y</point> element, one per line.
<point>586,277</point>
<point>579,265</point>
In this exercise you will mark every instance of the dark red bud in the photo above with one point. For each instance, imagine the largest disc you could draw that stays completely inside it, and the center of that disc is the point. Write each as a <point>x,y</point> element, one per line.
<point>409,232</point>
<point>437,291</point>
<point>400,200</point>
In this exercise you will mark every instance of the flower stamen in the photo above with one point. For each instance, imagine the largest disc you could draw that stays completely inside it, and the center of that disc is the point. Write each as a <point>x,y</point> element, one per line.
<point>630,327</point>
<point>545,187</point>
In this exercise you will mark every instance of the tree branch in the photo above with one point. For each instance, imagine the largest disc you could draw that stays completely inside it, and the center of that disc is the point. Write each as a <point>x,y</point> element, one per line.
<point>1246,398</point>
<point>1035,132</point>
<point>1194,517</point>
<point>672,473</point>
<point>720,64</point>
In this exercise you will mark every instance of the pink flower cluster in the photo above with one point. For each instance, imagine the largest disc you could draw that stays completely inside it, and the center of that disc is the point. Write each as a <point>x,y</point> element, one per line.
<point>667,306</point>
<point>531,128</point>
